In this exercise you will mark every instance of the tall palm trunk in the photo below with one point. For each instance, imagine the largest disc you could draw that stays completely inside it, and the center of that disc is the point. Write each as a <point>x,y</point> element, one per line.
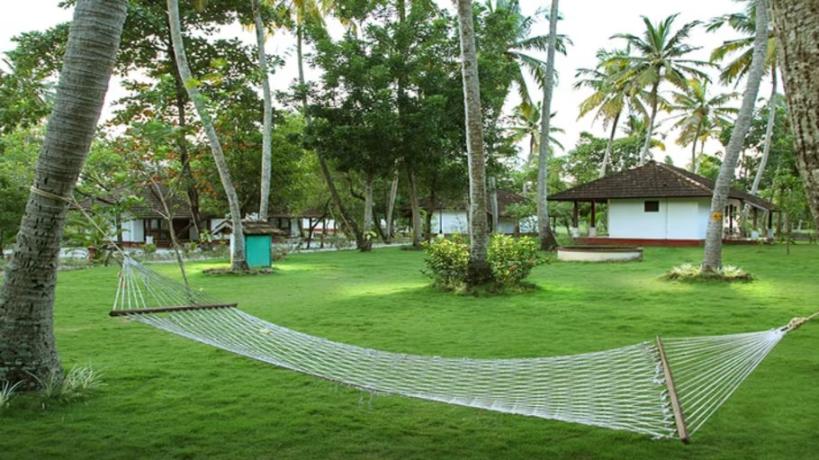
<point>651,120</point>
<point>267,124</point>
<point>797,31</point>
<point>27,348</point>
<point>238,261</point>
<point>766,148</point>
<point>547,239</point>
<point>697,135</point>
<point>713,239</point>
<point>478,271</point>
<point>610,145</point>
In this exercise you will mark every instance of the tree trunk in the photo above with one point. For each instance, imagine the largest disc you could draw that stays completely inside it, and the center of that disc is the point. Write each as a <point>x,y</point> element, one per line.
<point>766,149</point>
<point>547,238</point>
<point>267,125</point>
<point>166,213</point>
<point>238,261</point>
<point>415,207</point>
<point>797,31</point>
<point>390,218</point>
<point>493,204</point>
<point>478,271</point>
<point>694,147</point>
<point>713,239</point>
<point>368,212</point>
<point>181,143</point>
<point>27,348</point>
<point>650,131</point>
<point>609,145</point>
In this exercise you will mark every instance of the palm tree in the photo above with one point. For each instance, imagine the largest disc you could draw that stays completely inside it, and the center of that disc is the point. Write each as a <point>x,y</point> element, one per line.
<point>797,29</point>
<point>660,57</point>
<point>742,49</point>
<point>238,261</point>
<point>699,112</point>
<point>526,124</point>
<point>478,271</point>
<point>713,238</point>
<point>524,44</point>
<point>267,124</point>
<point>611,95</point>
<point>27,349</point>
<point>547,239</point>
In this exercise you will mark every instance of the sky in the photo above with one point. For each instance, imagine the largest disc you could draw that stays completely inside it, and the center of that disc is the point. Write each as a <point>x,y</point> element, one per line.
<point>589,23</point>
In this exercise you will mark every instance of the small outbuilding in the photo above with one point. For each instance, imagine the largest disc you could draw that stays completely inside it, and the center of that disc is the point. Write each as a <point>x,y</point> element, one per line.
<point>259,237</point>
<point>659,204</point>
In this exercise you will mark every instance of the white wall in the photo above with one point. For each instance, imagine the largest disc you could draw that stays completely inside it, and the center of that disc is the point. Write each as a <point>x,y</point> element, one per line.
<point>449,222</point>
<point>133,231</point>
<point>678,218</point>
<point>453,221</point>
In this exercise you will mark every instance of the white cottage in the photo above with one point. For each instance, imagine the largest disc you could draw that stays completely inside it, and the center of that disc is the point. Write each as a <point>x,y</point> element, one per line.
<point>448,219</point>
<point>658,204</point>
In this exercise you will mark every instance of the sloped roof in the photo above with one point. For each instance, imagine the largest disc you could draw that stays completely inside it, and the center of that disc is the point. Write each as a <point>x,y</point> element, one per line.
<point>652,180</point>
<point>250,227</point>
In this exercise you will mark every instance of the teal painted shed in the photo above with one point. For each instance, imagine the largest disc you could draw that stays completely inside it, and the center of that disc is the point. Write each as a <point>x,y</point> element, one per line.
<point>259,237</point>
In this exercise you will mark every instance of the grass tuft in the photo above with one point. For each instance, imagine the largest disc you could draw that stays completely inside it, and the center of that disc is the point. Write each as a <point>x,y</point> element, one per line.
<point>694,273</point>
<point>7,393</point>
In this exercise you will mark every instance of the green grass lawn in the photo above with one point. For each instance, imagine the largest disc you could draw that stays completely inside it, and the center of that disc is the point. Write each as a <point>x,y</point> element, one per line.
<point>166,396</point>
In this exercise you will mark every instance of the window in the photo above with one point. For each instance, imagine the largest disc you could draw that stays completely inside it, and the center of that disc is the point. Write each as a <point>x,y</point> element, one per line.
<point>652,206</point>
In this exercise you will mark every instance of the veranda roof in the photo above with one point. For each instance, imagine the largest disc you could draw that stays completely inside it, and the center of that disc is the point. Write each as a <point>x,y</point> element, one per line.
<point>653,180</point>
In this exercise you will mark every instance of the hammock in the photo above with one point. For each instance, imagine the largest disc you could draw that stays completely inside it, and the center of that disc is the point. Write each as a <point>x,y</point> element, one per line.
<point>665,388</point>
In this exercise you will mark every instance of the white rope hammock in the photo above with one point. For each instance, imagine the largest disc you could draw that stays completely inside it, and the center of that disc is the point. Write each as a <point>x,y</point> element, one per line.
<point>631,388</point>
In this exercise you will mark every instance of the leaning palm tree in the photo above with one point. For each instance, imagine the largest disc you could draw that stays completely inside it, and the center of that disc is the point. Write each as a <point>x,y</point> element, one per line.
<point>611,96</point>
<point>238,260</point>
<point>660,58</point>
<point>741,51</point>
<point>27,349</point>
<point>526,125</point>
<point>478,271</point>
<point>698,111</point>
<point>713,239</point>
<point>544,231</point>
<point>267,123</point>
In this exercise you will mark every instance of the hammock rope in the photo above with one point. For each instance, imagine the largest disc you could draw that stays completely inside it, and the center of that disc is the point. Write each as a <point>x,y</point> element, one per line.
<point>623,389</point>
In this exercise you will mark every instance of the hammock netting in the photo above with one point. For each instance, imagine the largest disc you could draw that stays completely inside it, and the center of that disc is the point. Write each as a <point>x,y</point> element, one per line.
<point>624,388</point>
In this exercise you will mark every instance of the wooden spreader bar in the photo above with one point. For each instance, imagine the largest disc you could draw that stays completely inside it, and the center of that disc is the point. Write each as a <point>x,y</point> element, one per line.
<point>137,311</point>
<point>679,417</point>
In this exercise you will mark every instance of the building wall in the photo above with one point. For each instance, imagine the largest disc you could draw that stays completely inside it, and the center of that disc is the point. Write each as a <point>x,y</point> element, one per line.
<point>677,218</point>
<point>453,221</point>
<point>449,221</point>
<point>133,231</point>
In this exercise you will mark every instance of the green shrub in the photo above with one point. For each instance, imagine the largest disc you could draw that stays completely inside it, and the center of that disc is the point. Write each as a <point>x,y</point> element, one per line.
<point>512,259</point>
<point>446,262</point>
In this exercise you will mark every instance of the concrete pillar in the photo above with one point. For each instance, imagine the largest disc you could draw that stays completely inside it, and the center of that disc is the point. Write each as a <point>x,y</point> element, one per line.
<point>593,220</point>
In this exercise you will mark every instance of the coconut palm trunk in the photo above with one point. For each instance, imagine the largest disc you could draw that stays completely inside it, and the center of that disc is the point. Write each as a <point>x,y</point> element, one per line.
<point>655,96</point>
<point>27,347</point>
<point>713,239</point>
<point>610,145</point>
<point>238,261</point>
<point>797,30</point>
<point>391,207</point>
<point>697,135</point>
<point>547,239</point>
<point>267,124</point>
<point>478,268</point>
<point>766,148</point>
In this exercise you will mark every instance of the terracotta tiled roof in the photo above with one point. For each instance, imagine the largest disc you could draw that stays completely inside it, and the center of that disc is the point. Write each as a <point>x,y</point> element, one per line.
<point>652,180</point>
